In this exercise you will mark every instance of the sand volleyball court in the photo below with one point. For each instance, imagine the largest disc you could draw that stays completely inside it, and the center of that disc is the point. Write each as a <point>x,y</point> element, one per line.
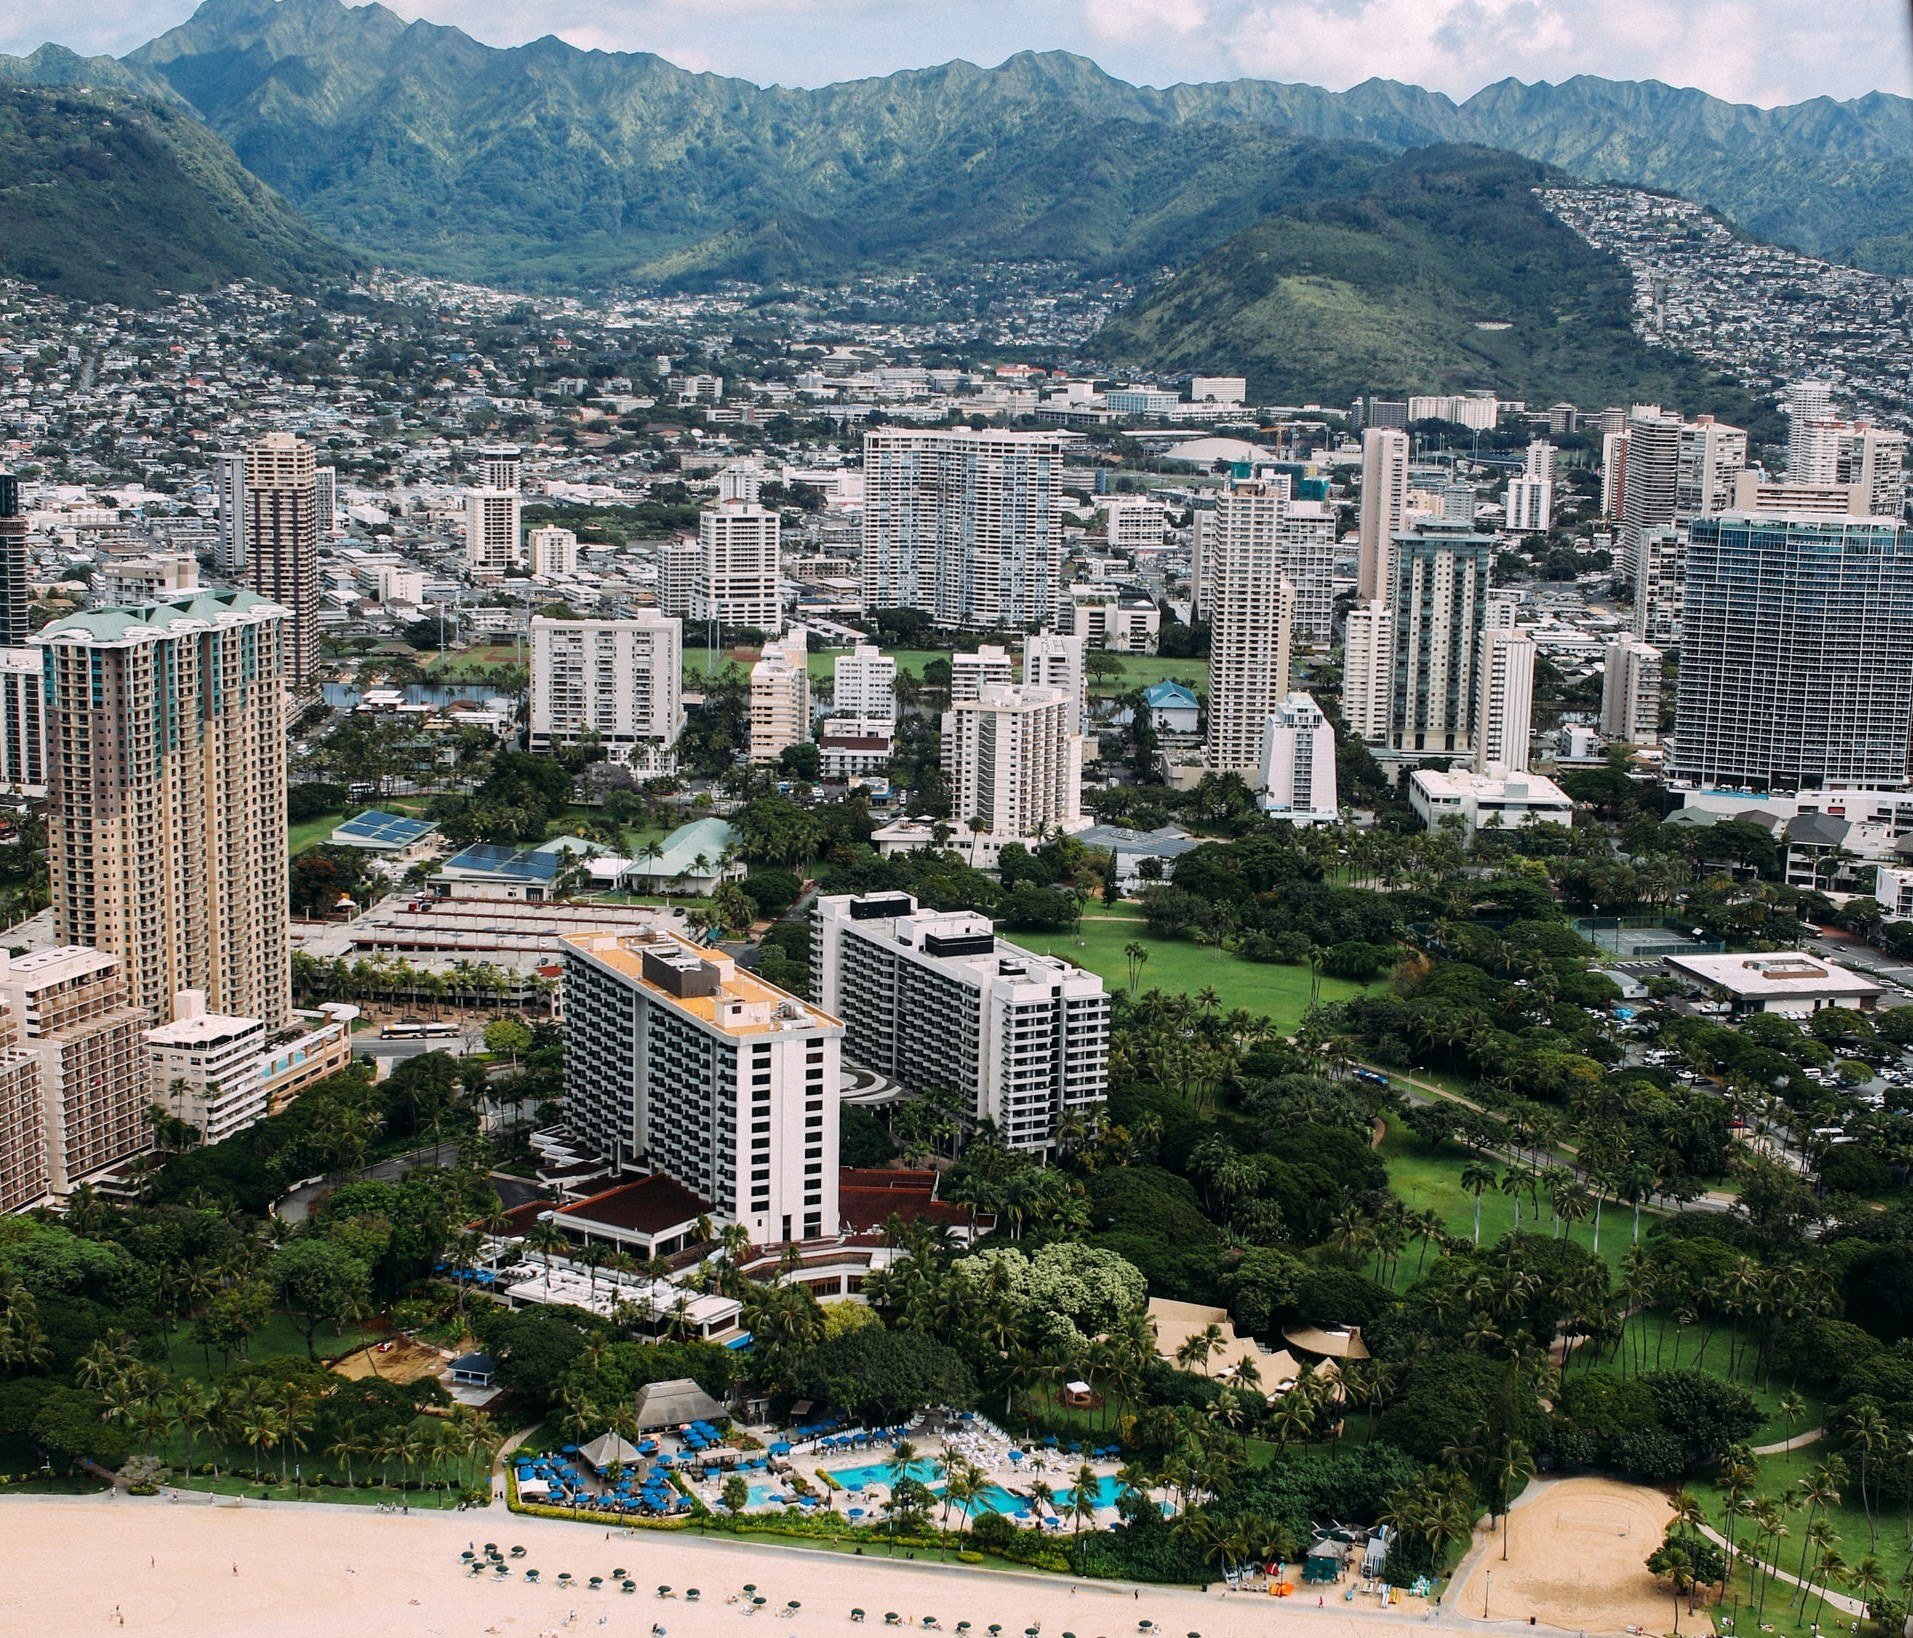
<point>1577,1552</point>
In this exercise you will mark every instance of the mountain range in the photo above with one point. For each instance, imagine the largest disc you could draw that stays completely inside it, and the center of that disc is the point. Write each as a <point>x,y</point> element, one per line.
<point>1443,272</point>
<point>544,162</point>
<point>115,198</point>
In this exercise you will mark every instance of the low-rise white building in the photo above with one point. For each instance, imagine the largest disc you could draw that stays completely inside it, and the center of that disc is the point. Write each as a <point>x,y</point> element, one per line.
<point>1791,983</point>
<point>1107,617</point>
<point>1479,800</point>
<point>854,747</point>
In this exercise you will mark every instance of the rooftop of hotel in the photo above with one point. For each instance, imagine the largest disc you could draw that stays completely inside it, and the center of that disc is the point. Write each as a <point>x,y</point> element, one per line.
<point>209,607</point>
<point>954,939</point>
<point>738,1002</point>
<point>646,1205</point>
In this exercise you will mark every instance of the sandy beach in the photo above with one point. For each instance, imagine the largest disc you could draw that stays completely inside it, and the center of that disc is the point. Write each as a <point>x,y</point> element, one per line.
<point>80,1564</point>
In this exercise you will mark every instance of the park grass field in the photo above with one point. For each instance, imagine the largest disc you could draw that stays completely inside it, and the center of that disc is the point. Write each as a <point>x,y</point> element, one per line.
<point>1178,968</point>
<point>309,833</point>
<point>1664,1345</point>
<point>1780,1476</point>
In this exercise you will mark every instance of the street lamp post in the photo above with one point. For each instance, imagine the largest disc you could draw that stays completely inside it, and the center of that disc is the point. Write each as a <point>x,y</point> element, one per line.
<point>1487,1587</point>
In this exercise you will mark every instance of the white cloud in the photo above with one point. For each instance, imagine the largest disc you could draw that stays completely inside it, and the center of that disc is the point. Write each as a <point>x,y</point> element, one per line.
<point>1744,50</point>
<point>1137,22</point>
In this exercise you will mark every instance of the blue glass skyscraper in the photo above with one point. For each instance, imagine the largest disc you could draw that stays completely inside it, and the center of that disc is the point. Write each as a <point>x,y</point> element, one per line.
<point>1796,655</point>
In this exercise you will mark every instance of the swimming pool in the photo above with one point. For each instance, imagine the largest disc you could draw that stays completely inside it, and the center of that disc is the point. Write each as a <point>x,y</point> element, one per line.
<point>884,1473</point>
<point>1105,1493</point>
<point>764,1494</point>
<point>991,1499</point>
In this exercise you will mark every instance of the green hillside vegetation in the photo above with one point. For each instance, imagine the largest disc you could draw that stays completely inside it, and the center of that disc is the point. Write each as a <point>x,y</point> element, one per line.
<point>1390,289</point>
<point>117,199</point>
<point>546,161</point>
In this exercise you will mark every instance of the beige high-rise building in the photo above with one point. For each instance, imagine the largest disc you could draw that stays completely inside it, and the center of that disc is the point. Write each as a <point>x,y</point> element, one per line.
<point>166,796</point>
<point>1014,762</point>
<point>681,1062</point>
<point>737,573</point>
<point>1251,623</point>
<point>493,519</point>
<point>26,1177</point>
<point>1367,670</point>
<point>554,551</point>
<point>76,1021</point>
<point>1384,502</point>
<point>1631,692</point>
<point>780,696</point>
<point>282,544</point>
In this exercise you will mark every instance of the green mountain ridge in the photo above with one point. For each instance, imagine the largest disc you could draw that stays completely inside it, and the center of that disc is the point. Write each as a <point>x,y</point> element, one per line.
<point>551,163</point>
<point>114,198</point>
<point>1388,290</point>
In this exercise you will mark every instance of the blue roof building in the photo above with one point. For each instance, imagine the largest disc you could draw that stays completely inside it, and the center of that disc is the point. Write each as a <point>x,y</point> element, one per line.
<point>1173,708</point>
<point>376,831</point>
<point>486,870</point>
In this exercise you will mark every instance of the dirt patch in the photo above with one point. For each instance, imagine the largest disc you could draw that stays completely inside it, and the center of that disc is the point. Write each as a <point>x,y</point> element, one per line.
<point>1577,1552</point>
<point>406,1362</point>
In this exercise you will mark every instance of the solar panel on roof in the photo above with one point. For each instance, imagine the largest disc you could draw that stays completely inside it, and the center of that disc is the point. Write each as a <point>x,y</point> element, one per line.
<point>375,825</point>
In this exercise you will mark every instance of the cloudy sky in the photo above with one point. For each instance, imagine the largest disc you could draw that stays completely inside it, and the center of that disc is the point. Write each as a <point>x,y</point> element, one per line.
<point>1762,51</point>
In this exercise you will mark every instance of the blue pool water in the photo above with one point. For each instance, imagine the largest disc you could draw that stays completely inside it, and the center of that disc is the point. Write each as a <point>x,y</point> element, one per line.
<point>992,1499</point>
<point>1106,1490</point>
<point>763,1494</point>
<point>855,1478</point>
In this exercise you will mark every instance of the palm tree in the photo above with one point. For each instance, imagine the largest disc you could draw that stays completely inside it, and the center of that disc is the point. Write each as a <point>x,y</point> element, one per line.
<point>343,1449</point>
<point>194,1409</point>
<point>1868,1581</point>
<point>1082,1505</point>
<point>1792,1408</point>
<point>1679,1570</point>
<point>1869,1430</point>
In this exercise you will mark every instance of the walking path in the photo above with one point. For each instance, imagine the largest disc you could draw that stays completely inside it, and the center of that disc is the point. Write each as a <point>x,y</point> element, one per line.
<point>1840,1601</point>
<point>1797,1442</point>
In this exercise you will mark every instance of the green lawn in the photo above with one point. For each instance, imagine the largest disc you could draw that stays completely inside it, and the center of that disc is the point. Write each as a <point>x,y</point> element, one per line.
<point>1665,1345</point>
<point>279,1336</point>
<point>310,833</point>
<point>1780,1475</point>
<point>1429,1179</point>
<point>1282,993</point>
<point>1138,670</point>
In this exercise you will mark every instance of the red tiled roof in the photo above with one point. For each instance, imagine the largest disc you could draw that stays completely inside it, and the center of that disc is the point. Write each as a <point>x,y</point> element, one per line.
<point>868,1199</point>
<point>648,1205</point>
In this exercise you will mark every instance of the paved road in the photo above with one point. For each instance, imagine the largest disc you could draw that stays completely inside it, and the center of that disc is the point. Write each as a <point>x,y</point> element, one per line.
<point>297,1207</point>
